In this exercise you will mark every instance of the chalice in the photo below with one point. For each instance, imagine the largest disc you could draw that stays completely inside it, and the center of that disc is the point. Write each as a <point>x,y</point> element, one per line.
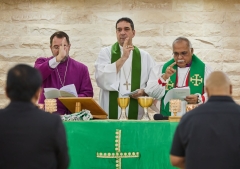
<point>174,107</point>
<point>123,102</point>
<point>50,105</point>
<point>145,102</point>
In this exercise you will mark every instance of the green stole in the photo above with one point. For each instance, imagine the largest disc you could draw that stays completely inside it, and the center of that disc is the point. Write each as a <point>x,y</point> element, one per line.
<point>135,83</point>
<point>195,83</point>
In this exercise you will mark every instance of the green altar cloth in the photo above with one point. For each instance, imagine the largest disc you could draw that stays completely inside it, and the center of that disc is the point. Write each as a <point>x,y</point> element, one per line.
<point>152,139</point>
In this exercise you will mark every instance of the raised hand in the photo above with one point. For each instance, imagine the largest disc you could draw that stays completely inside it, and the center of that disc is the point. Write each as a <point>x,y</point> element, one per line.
<point>127,48</point>
<point>169,71</point>
<point>62,51</point>
<point>138,94</point>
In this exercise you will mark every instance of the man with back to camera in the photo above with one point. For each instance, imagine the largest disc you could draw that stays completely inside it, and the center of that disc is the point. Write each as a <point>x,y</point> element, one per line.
<point>30,137</point>
<point>209,136</point>
<point>184,69</point>
<point>60,70</point>
<point>122,67</point>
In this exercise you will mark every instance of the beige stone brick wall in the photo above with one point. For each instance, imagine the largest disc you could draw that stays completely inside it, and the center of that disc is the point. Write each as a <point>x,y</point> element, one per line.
<point>212,26</point>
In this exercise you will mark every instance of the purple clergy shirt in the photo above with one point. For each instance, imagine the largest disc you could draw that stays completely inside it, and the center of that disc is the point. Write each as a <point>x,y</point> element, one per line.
<point>77,74</point>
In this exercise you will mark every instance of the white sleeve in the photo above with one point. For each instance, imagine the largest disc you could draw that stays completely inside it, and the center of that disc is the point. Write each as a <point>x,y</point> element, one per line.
<point>53,63</point>
<point>154,89</point>
<point>105,71</point>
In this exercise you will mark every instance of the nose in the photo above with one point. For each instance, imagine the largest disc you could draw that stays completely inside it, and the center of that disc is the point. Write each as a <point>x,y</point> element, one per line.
<point>179,56</point>
<point>122,31</point>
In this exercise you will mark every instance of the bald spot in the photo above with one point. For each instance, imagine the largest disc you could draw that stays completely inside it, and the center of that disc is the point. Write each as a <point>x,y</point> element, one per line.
<point>218,83</point>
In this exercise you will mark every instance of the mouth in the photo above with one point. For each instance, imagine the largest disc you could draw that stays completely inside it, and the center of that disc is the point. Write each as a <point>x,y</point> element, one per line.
<point>180,61</point>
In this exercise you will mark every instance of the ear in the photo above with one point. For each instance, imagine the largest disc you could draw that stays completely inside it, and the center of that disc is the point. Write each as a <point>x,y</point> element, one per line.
<point>230,89</point>
<point>38,93</point>
<point>6,92</point>
<point>192,50</point>
<point>207,91</point>
<point>36,96</point>
<point>134,33</point>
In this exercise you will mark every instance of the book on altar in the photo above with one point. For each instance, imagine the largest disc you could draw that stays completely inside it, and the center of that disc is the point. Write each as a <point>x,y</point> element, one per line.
<point>65,91</point>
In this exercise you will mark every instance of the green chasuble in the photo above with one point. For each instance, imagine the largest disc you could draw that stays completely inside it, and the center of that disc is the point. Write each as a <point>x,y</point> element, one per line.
<point>135,83</point>
<point>195,83</point>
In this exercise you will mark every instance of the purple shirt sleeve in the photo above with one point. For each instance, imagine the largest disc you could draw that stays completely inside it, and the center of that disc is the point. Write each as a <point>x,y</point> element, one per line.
<point>43,66</point>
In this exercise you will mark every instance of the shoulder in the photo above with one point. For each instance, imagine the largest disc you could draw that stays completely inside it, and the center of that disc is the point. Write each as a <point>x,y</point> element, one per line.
<point>147,57</point>
<point>208,70</point>
<point>208,67</point>
<point>106,50</point>
<point>144,53</point>
<point>158,67</point>
<point>43,59</point>
<point>48,117</point>
<point>77,63</point>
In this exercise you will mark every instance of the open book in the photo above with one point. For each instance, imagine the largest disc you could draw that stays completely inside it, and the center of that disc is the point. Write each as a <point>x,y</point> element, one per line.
<point>177,93</point>
<point>65,91</point>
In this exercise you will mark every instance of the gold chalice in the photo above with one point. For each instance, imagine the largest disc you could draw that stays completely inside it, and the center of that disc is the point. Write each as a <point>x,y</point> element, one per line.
<point>50,105</point>
<point>123,103</point>
<point>174,107</point>
<point>145,102</point>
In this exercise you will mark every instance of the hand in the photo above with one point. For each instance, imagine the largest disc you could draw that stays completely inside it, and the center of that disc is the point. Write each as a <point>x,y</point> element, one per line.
<point>169,71</point>
<point>138,94</point>
<point>62,51</point>
<point>127,48</point>
<point>192,99</point>
<point>40,106</point>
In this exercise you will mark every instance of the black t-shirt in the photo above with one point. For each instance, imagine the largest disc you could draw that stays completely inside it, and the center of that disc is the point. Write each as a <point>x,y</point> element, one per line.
<point>209,136</point>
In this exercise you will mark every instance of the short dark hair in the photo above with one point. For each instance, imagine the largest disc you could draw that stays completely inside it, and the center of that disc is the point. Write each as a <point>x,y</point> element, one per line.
<point>59,34</point>
<point>182,39</point>
<point>126,20</point>
<point>23,81</point>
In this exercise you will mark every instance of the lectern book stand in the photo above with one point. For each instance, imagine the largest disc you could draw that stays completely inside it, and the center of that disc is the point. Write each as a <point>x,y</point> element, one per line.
<point>76,104</point>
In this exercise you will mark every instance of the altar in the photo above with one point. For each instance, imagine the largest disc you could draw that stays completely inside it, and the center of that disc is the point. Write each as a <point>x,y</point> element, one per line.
<point>113,144</point>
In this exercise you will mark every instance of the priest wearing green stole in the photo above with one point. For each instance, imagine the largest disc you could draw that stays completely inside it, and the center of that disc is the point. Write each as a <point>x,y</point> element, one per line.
<point>184,69</point>
<point>122,68</point>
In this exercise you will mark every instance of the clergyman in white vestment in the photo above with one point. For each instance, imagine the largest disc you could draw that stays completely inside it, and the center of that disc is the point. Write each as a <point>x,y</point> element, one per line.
<point>122,67</point>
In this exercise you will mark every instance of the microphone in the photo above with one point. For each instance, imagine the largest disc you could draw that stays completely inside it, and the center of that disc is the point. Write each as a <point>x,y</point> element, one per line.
<point>160,117</point>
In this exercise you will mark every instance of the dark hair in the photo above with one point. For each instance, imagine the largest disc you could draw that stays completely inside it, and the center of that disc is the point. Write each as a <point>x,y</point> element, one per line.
<point>23,81</point>
<point>126,20</point>
<point>59,34</point>
<point>182,39</point>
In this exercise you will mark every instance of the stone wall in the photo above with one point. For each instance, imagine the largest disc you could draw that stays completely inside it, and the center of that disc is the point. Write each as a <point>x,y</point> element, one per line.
<point>212,26</point>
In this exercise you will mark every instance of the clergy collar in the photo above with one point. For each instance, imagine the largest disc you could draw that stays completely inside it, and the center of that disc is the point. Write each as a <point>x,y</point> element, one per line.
<point>121,48</point>
<point>189,65</point>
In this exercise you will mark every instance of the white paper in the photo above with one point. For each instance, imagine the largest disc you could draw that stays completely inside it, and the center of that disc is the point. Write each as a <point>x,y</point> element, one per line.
<point>177,93</point>
<point>65,91</point>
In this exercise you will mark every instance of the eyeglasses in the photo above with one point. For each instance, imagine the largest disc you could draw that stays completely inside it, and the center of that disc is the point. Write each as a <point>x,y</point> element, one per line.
<point>56,47</point>
<point>176,54</point>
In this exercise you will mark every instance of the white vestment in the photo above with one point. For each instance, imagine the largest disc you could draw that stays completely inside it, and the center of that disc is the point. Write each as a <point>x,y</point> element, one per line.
<point>156,90</point>
<point>106,76</point>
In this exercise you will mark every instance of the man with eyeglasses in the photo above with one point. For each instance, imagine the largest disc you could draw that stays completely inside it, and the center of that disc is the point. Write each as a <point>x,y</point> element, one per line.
<point>184,69</point>
<point>60,70</point>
